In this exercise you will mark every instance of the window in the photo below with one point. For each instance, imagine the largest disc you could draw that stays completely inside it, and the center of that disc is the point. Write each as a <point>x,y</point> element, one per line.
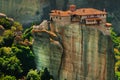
<point>95,15</point>
<point>60,18</point>
<point>90,20</point>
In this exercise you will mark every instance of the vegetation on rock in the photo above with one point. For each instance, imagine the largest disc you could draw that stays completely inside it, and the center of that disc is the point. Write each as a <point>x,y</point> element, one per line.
<point>116,41</point>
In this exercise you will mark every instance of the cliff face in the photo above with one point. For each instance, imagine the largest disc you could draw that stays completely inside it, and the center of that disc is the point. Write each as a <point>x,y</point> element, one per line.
<point>87,53</point>
<point>27,11</point>
<point>48,51</point>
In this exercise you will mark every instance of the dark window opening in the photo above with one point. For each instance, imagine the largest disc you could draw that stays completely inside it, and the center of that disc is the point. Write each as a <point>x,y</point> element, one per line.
<point>60,18</point>
<point>51,20</point>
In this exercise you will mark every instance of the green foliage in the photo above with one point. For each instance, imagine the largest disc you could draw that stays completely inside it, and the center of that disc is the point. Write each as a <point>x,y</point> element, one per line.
<point>5,51</point>
<point>117,75</point>
<point>33,75</point>
<point>1,41</point>
<point>7,77</point>
<point>26,56</point>
<point>7,38</point>
<point>15,60</point>
<point>116,41</point>
<point>39,75</point>
<point>6,23</point>
<point>9,63</point>
<point>27,34</point>
<point>11,27</point>
<point>17,26</point>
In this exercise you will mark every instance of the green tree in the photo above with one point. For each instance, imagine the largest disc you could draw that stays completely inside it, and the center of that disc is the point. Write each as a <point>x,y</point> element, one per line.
<point>28,34</point>
<point>9,63</point>
<point>26,56</point>
<point>33,75</point>
<point>115,39</point>
<point>8,38</point>
<point>17,26</point>
<point>9,78</point>
<point>6,23</point>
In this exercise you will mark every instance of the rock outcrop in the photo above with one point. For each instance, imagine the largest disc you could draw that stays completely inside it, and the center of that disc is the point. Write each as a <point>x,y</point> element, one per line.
<point>88,54</point>
<point>79,52</point>
<point>48,51</point>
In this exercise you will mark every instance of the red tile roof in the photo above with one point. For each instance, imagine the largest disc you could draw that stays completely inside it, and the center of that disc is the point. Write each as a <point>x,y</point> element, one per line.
<point>81,12</point>
<point>59,13</point>
<point>88,11</point>
<point>108,24</point>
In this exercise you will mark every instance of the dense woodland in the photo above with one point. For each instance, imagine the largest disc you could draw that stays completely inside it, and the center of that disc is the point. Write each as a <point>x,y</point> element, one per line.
<point>17,59</point>
<point>116,41</point>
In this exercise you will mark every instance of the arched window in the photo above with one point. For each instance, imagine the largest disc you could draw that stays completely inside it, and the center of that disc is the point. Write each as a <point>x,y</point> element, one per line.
<point>51,19</point>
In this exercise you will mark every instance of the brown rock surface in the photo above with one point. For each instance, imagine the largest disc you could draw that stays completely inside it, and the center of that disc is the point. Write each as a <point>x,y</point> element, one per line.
<point>86,53</point>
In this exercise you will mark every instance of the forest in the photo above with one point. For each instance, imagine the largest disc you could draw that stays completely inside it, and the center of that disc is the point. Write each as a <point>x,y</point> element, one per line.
<point>16,56</point>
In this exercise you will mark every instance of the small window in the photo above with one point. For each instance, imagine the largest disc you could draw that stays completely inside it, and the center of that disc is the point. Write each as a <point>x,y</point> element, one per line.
<point>56,17</point>
<point>60,18</point>
<point>95,15</point>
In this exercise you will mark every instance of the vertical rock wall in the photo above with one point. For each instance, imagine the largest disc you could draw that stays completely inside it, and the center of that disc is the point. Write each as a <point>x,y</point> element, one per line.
<point>88,54</point>
<point>48,53</point>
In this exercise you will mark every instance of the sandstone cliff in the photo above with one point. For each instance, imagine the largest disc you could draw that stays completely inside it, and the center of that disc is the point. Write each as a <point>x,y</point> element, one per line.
<point>87,53</point>
<point>79,52</point>
<point>48,51</point>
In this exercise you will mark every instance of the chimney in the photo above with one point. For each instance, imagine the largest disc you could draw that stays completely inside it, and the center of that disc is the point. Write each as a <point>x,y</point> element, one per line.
<point>72,8</point>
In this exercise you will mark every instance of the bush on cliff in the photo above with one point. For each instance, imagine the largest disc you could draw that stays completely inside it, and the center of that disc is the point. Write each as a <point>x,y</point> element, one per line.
<point>33,75</point>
